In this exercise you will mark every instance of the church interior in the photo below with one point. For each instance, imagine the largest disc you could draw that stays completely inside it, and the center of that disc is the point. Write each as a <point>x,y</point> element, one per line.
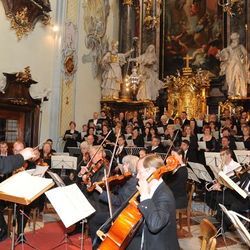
<point>137,114</point>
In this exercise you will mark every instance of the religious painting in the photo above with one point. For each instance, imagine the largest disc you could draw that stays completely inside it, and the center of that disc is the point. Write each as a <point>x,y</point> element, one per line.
<point>193,27</point>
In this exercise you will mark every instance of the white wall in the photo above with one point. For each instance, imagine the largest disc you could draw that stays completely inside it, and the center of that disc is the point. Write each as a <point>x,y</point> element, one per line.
<point>35,50</point>
<point>88,91</point>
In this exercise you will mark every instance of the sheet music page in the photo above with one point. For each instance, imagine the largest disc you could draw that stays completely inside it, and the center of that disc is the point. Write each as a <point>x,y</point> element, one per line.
<point>70,204</point>
<point>57,179</point>
<point>202,145</point>
<point>200,171</point>
<point>192,176</point>
<point>24,185</point>
<point>243,156</point>
<point>231,184</point>
<point>39,170</point>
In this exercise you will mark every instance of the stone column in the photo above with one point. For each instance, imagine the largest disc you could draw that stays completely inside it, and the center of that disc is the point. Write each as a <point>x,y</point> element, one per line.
<point>126,36</point>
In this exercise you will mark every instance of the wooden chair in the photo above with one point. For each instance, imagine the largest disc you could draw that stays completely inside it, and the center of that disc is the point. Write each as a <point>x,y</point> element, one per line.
<point>186,211</point>
<point>208,232</point>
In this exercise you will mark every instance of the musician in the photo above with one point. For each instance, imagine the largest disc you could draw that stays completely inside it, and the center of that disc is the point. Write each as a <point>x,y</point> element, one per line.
<point>229,198</point>
<point>7,165</point>
<point>137,138</point>
<point>142,153</point>
<point>120,151</point>
<point>189,153</point>
<point>50,141</point>
<point>177,180</point>
<point>46,153</point>
<point>170,134</point>
<point>3,148</point>
<point>156,146</point>
<point>184,119</point>
<point>157,205</point>
<point>227,132</point>
<point>71,137</point>
<point>246,136</point>
<point>211,142</point>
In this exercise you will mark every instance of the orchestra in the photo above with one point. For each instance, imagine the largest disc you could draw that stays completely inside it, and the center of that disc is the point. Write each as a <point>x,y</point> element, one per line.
<point>129,171</point>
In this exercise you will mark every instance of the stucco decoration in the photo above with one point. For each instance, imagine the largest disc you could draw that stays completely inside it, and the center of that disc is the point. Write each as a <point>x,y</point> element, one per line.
<point>69,55</point>
<point>96,13</point>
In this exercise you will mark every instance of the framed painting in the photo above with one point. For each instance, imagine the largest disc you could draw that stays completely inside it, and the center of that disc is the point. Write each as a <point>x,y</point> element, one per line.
<point>193,27</point>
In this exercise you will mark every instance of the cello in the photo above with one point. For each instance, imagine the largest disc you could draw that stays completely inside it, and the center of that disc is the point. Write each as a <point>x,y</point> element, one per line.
<point>129,220</point>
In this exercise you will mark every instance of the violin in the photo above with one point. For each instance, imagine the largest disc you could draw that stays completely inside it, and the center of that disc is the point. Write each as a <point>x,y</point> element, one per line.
<point>94,167</point>
<point>128,221</point>
<point>116,179</point>
<point>23,168</point>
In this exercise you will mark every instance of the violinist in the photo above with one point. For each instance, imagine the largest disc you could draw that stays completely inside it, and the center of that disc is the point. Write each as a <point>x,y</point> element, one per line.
<point>46,153</point>
<point>94,172</point>
<point>157,205</point>
<point>177,179</point>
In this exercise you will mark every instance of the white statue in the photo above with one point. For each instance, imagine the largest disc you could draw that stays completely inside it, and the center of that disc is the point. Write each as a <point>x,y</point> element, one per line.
<point>150,83</point>
<point>112,75</point>
<point>234,65</point>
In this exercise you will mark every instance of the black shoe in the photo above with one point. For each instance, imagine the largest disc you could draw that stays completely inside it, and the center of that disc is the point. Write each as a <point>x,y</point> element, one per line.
<point>3,234</point>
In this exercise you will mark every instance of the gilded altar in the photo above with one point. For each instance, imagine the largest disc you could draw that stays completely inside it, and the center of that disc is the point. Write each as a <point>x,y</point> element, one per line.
<point>187,91</point>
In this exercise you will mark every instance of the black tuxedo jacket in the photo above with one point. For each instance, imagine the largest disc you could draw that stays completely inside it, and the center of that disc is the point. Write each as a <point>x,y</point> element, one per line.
<point>160,222</point>
<point>121,154</point>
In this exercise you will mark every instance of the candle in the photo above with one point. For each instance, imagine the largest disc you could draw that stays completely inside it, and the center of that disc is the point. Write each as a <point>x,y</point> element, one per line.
<point>219,112</point>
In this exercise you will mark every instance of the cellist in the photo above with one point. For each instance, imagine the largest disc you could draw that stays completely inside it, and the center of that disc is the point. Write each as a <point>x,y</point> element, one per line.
<point>157,205</point>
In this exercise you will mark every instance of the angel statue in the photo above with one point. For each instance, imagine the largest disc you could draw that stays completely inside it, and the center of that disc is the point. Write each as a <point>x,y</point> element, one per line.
<point>112,62</point>
<point>150,83</point>
<point>235,66</point>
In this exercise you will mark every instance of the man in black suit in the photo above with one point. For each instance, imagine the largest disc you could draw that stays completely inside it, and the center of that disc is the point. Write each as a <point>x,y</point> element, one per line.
<point>7,165</point>
<point>156,146</point>
<point>189,154</point>
<point>157,206</point>
<point>184,119</point>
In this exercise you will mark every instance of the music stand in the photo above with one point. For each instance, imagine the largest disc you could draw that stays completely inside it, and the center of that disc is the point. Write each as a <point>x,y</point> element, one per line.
<point>213,158</point>
<point>234,218</point>
<point>29,188</point>
<point>63,163</point>
<point>200,171</point>
<point>71,206</point>
<point>133,150</point>
<point>74,151</point>
<point>242,156</point>
<point>192,176</point>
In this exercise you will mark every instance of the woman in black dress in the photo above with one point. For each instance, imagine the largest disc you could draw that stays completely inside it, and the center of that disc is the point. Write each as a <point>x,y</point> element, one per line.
<point>71,137</point>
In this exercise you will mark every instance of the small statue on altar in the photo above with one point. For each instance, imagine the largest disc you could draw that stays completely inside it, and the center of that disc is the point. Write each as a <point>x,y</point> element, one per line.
<point>235,66</point>
<point>112,62</point>
<point>150,83</point>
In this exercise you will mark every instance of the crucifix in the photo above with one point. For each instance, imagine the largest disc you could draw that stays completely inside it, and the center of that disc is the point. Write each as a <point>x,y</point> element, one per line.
<point>187,58</point>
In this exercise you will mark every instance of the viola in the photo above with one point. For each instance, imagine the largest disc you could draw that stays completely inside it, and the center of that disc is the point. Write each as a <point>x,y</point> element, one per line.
<point>113,180</point>
<point>128,221</point>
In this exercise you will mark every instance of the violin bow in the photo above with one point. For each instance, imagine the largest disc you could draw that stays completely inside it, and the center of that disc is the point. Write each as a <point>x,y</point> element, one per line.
<point>171,145</point>
<point>98,149</point>
<point>106,175</point>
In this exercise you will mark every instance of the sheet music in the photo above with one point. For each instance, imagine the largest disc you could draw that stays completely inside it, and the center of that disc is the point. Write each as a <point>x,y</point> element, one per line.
<point>63,162</point>
<point>242,156</point>
<point>24,185</point>
<point>226,181</point>
<point>130,143</point>
<point>192,175</point>
<point>240,145</point>
<point>70,204</point>
<point>200,171</point>
<point>202,145</point>
<point>160,130</point>
<point>57,179</point>
<point>38,171</point>
<point>213,158</point>
<point>199,136</point>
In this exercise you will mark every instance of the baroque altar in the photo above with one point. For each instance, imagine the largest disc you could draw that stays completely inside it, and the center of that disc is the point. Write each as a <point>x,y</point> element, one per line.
<point>187,91</point>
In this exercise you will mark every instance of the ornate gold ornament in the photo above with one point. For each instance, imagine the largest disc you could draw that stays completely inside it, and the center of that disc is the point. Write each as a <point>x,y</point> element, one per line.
<point>19,101</point>
<point>152,18</point>
<point>232,7</point>
<point>127,2</point>
<point>24,76</point>
<point>188,91</point>
<point>25,14</point>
